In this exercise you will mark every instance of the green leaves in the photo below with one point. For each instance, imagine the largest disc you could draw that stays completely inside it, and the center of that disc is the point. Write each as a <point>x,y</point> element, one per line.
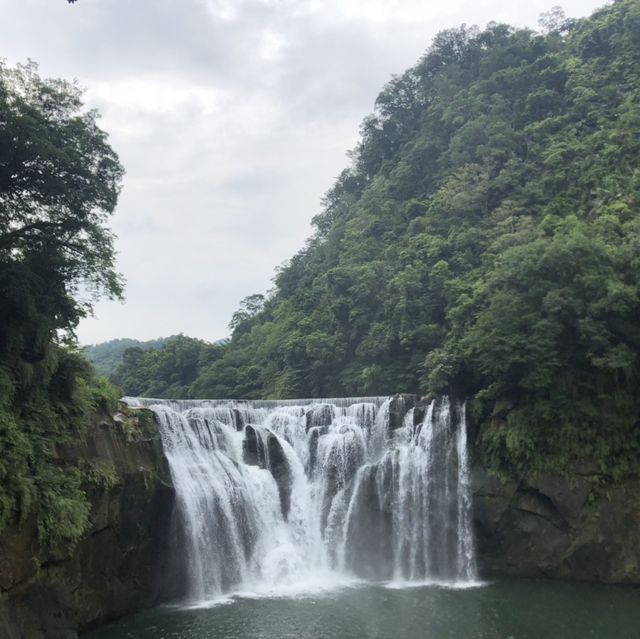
<point>484,242</point>
<point>59,182</point>
<point>63,512</point>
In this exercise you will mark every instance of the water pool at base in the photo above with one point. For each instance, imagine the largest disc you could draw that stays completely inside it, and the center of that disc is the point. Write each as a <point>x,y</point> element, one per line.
<point>499,610</point>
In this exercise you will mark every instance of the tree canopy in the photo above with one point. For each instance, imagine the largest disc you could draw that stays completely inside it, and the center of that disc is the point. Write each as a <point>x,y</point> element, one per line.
<point>107,356</point>
<point>59,183</point>
<point>168,370</point>
<point>485,242</point>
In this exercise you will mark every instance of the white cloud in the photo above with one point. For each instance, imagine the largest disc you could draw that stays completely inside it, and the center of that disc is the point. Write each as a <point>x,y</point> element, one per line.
<point>272,45</point>
<point>232,118</point>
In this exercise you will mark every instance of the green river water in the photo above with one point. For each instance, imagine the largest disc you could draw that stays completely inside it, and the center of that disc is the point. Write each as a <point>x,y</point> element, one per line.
<point>499,610</point>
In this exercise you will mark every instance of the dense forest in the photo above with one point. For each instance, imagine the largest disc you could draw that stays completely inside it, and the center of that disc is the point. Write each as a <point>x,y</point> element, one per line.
<point>484,241</point>
<point>169,371</point>
<point>107,356</point>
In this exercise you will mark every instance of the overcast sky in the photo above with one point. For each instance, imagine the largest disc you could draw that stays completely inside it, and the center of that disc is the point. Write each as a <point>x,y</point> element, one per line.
<point>232,118</point>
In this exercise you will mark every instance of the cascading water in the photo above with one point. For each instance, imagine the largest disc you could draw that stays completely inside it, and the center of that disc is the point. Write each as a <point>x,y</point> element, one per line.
<point>275,494</point>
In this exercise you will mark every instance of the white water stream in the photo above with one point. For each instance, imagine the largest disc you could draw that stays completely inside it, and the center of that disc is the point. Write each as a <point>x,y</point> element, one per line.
<point>280,497</point>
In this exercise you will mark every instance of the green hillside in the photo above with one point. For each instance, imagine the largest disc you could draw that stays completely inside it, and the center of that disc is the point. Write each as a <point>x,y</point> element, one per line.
<point>485,241</point>
<point>107,356</point>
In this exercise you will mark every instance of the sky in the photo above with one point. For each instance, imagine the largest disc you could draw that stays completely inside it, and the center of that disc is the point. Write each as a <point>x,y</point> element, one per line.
<point>232,118</point>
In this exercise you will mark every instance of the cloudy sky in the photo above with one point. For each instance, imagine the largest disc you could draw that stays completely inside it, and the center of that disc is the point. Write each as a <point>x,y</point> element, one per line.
<point>232,118</point>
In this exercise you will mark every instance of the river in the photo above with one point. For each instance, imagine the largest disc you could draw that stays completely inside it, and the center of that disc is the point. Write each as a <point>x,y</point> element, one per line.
<point>498,610</point>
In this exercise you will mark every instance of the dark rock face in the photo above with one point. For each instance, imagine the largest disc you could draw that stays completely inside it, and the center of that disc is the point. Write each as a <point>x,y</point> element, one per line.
<point>558,527</point>
<point>319,415</point>
<point>253,451</point>
<point>38,613</point>
<point>370,530</point>
<point>398,408</point>
<point>124,562</point>
<point>314,437</point>
<point>268,454</point>
<point>238,421</point>
<point>279,467</point>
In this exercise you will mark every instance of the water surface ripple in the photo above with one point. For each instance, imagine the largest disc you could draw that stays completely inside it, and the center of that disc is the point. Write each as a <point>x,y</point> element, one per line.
<point>500,610</point>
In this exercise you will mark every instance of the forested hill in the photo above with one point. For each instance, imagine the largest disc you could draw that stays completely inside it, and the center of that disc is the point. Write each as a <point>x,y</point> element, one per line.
<point>107,356</point>
<point>485,241</point>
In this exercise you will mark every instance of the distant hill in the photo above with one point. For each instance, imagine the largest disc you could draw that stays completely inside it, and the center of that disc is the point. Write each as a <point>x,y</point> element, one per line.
<point>107,356</point>
<point>168,371</point>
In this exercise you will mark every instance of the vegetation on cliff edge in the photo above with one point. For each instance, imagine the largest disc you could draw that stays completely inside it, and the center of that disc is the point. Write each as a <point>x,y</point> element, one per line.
<point>59,182</point>
<point>485,241</point>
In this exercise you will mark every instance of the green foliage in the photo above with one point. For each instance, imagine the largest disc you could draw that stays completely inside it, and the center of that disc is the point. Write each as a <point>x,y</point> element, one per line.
<point>250,306</point>
<point>485,242</point>
<point>165,372</point>
<point>100,473</point>
<point>107,356</point>
<point>59,182</point>
<point>136,424</point>
<point>63,510</point>
<point>17,486</point>
<point>33,479</point>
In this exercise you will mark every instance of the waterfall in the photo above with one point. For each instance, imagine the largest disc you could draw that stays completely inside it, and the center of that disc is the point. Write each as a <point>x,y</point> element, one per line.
<point>274,494</point>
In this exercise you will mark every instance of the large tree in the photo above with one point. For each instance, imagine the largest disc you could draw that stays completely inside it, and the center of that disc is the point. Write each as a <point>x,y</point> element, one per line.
<point>59,183</point>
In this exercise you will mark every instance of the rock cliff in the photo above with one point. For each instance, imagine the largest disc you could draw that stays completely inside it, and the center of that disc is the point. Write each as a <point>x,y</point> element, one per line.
<point>558,527</point>
<point>123,562</point>
<point>571,527</point>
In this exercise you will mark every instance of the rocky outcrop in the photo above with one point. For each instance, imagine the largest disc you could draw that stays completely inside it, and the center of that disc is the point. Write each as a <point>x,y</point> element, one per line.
<point>318,416</point>
<point>559,527</point>
<point>371,529</point>
<point>122,564</point>
<point>267,453</point>
<point>279,467</point>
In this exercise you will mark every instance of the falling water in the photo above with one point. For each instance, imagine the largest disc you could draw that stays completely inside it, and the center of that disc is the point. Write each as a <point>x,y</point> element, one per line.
<point>272,495</point>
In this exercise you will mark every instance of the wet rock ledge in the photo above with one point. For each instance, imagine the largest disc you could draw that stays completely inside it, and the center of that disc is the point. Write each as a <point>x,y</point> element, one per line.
<point>123,563</point>
<point>569,527</point>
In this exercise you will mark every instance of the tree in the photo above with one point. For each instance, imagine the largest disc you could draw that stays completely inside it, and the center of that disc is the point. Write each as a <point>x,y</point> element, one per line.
<point>250,306</point>
<point>59,182</point>
<point>553,21</point>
